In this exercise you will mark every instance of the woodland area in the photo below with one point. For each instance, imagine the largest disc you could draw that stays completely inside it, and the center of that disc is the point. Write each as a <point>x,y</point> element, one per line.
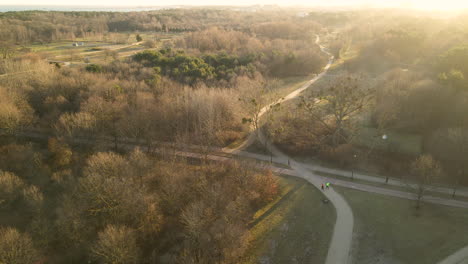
<point>38,26</point>
<point>71,192</point>
<point>399,74</point>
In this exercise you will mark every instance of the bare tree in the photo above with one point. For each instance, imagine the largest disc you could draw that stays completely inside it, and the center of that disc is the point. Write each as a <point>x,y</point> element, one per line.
<point>61,154</point>
<point>335,107</point>
<point>116,245</point>
<point>254,109</point>
<point>7,50</point>
<point>14,189</point>
<point>16,248</point>
<point>455,144</point>
<point>109,112</point>
<point>425,171</point>
<point>254,101</point>
<point>14,112</point>
<point>80,124</point>
<point>11,187</point>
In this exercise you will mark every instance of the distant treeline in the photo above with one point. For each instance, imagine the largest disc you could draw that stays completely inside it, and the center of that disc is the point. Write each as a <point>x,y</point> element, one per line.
<point>42,26</point>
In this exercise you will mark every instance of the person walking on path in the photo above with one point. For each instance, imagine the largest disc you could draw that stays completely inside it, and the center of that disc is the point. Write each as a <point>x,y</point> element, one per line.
<point>322,186</point>
<point>328,185</point>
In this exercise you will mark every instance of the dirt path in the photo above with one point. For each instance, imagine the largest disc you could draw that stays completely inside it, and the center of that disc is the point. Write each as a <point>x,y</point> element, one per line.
<point>252,136</point>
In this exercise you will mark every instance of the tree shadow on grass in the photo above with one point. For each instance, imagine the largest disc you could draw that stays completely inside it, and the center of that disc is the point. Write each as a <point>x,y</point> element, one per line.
<point>285,197</point>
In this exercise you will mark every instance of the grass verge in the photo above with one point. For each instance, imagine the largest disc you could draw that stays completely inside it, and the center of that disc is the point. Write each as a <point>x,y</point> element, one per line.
<point>391,230</point>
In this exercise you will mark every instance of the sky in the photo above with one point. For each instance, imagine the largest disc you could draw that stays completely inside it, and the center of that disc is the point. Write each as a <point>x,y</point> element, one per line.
<point>418,4</point>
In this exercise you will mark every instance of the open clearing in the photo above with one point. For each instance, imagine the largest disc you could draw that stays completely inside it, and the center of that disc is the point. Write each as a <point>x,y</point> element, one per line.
<point>410,144</point>
<point>390,230</point>
<point>94,51</point>
<point>296,228</point>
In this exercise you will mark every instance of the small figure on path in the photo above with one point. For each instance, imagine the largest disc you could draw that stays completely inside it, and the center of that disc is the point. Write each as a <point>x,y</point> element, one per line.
<point>327,184</point>
<point>322,186</point>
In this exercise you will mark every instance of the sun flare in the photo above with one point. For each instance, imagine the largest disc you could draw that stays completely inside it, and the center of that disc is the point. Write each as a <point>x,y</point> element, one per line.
<point>447,5</point>
<point>433,5</point>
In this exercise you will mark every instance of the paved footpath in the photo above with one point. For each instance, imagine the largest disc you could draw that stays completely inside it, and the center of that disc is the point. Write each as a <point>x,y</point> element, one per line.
<point>348,174</point>
<point>350,184</point>
<point>340,245</point>
<point>380,179</point>
<point>459,257</point>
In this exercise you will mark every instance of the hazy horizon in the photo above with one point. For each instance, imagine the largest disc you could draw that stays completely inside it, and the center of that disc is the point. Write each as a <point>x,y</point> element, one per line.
<point>416,4</point>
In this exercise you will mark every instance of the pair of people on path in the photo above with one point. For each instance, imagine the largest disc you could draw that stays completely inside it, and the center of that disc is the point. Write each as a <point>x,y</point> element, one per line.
<point>326,184</point>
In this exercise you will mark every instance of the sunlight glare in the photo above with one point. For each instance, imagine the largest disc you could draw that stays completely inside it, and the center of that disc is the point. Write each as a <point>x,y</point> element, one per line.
<point>447,5</point>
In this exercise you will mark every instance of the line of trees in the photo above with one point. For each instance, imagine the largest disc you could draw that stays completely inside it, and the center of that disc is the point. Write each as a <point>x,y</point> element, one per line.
<point>42,27</point>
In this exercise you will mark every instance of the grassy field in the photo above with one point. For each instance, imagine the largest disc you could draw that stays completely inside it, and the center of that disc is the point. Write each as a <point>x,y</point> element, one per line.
<point>94,51</point>
<point>296,228</point>
<point>390,230</point>
<point>396,142</point>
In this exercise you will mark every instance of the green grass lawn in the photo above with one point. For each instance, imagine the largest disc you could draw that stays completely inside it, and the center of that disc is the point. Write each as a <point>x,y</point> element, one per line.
<point>391,230</point>
<point>296,228</point>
